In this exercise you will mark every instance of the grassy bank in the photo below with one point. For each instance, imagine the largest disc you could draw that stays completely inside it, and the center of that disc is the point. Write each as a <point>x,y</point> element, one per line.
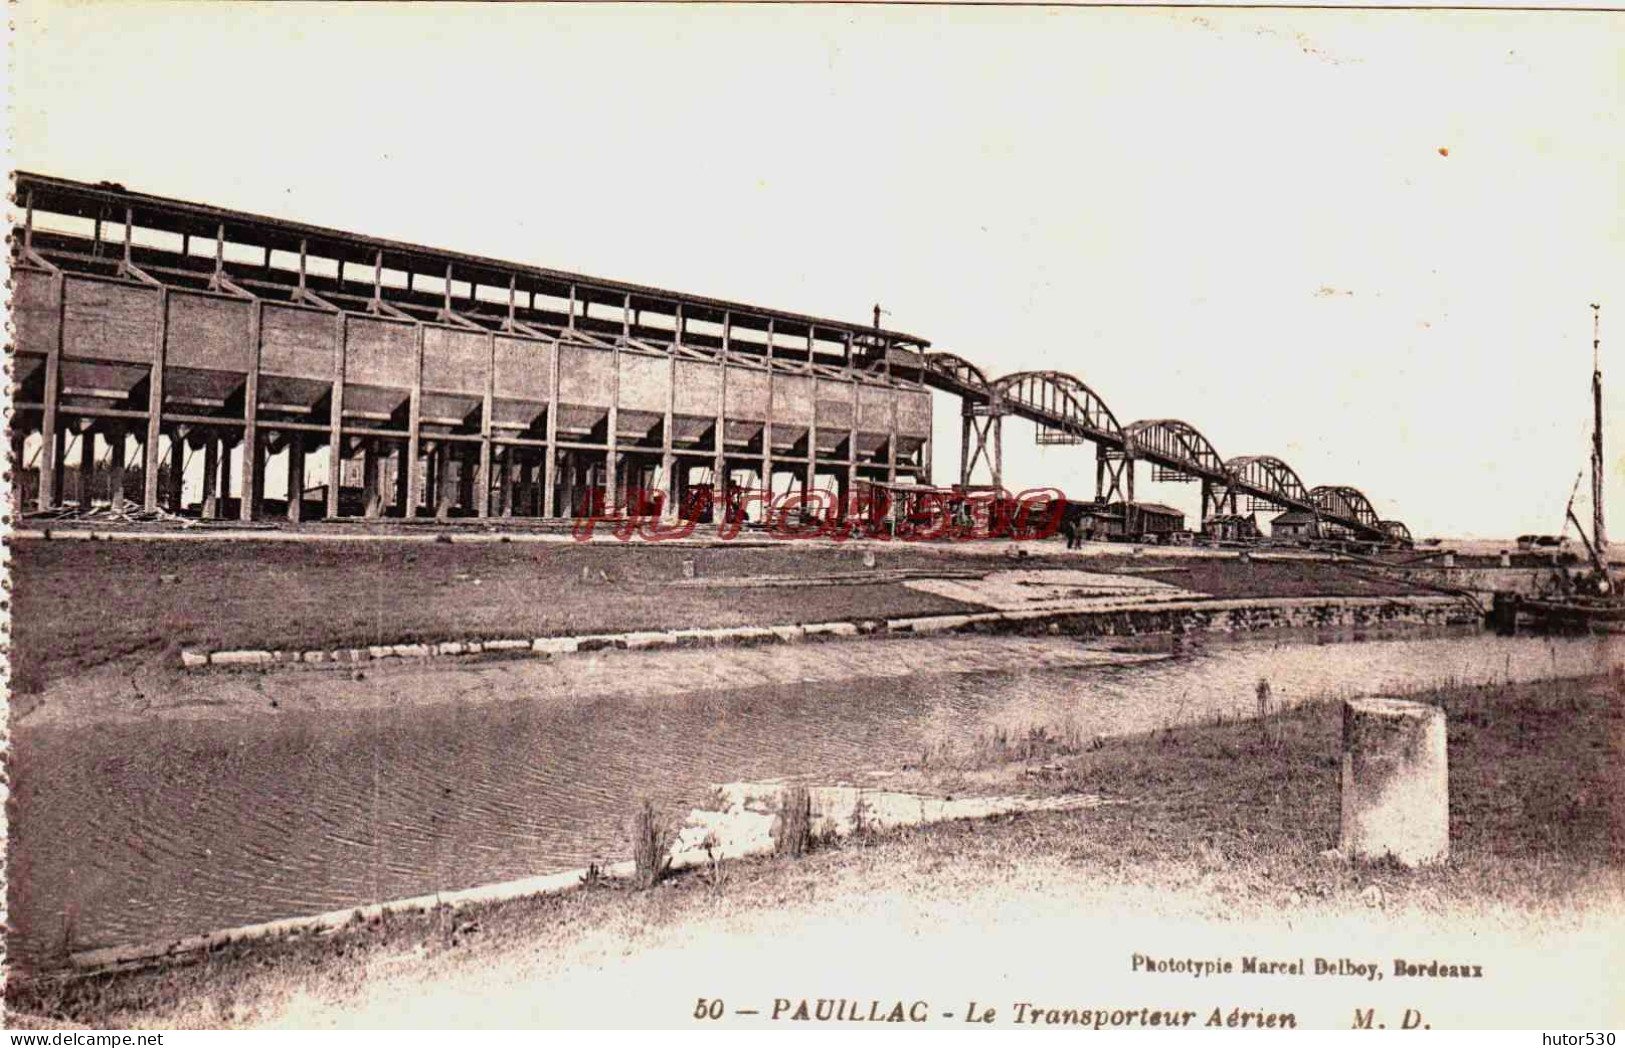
<point>83,604</point>
<point>1222,821</point>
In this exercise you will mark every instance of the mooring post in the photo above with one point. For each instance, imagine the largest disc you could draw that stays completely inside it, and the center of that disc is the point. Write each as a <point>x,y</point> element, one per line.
<point>1396,782</point>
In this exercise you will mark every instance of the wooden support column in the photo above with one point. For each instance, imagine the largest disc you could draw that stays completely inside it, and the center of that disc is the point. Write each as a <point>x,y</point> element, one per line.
<point>49,493</point>
<point>87,465</point>
<point>59,464</point>
<point>251,413</point>
<point>966,422</point>
<point>370,487</point>
<point>505,481</point>
<point>116,439</point>
<point>261,455</point>
<point>550,463</point>
<point>998,451</point>
<point>719,472</point>
<point>403,478</point>
<point>811,480</point>
<point>211,475</point>
<point>611,465</point>
<point>335,422</point>
<point>463,493</point>
<point>527,480</point>
<point>177,467</point>
<point>852,432</point>
<point>155,401</point>
<point>925,450</point>
<point>482,503</point>
<point>296,478</point>
<point>891,439</point>
<point>414,439</point>
<point>668,463</point>
<point>767,430</point>
<point>431,470</point>
<point>225,468</point>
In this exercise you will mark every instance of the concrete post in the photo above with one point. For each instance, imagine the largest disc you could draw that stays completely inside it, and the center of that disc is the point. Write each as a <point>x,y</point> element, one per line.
<point>1396,782</point>
<point>1506,559</point>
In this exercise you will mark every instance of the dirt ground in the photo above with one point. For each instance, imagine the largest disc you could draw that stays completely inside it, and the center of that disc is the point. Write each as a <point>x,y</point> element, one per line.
<point>83,604</point>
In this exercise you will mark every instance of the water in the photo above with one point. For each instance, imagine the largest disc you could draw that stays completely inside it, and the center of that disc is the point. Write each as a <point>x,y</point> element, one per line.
<point>130,832</point>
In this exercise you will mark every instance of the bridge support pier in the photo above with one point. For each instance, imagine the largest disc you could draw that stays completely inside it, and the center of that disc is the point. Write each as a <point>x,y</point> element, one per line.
<point>977,433</point>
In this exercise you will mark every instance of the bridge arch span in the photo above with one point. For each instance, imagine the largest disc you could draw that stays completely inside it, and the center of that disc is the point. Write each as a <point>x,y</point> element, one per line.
<point>1057,395</point>
<point>1348,503</point>
<point>1266,473</point>
<point>958,370</point>
<point>1174,439</point>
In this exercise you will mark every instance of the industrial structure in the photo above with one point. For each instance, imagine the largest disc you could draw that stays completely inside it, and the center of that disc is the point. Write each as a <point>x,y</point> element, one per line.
<point>438,382</point>
<point>1066,411</point>
<point>511,389</point>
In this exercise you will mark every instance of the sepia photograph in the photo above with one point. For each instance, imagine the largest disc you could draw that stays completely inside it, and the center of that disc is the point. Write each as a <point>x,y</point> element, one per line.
<point>813,516</point>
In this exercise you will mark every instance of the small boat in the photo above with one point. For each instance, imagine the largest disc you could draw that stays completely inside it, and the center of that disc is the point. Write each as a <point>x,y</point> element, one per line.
<point>1587,601</point>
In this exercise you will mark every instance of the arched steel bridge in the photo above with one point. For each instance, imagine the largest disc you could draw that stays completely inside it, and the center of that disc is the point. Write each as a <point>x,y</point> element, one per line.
<point>1067,411</point>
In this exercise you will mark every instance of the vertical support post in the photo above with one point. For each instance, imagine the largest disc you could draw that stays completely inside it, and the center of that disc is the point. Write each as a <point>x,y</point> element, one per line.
<point>335,422</point>
<point>612,454</point>
<point>177,466</point>
<point>211,475</point>
<point>550,463</point>
<point>852,433</point>
<point>966,424</point>
<point>296,477</point>
<point>117,437</point>
<point>87,465</point>
<point>925,453</point>
<point>891,439</point>
<point>155,401</point>
<point>463,494</point>
<point>373,506</point>
<point>404,468</point>
<point>251,414</point>
<point>48,495</point>
<point>998,450</point>
<point>262,456</point>
<point>767,427</point>
<point>482,501</point>
<point>505,481</point>
<point>432,478</point>
<point>59,463</point>
<point>414,440</point>
<point>719,469</point>
<point>668,462</point>
<point>378,281</point>
<point>225,469</point>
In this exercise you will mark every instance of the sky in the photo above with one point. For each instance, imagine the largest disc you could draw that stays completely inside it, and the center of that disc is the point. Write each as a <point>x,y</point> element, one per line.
<point>1362,241</point>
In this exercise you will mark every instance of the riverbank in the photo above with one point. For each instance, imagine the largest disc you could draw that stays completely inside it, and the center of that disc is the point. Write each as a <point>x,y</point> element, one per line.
<point>1214,840</point>
<point>81,605</point>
